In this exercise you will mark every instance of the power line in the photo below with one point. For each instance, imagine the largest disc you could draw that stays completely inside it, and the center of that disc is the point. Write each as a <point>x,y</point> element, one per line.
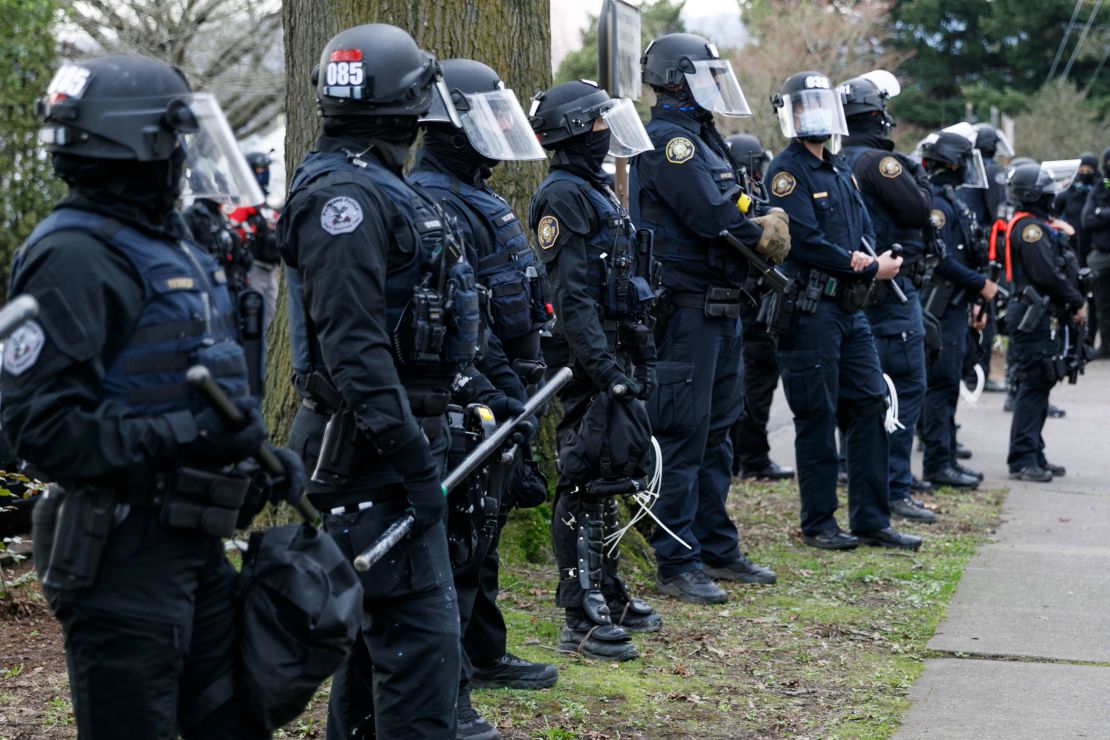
<point>1082,38</point>
<point>1063,42</point>
<point>1098,69</point>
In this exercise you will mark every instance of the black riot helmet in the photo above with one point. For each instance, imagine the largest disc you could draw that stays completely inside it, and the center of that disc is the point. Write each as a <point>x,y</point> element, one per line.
<point>686,60</point>
<point>571,108</point>
<point>947,150</point>
<point>259,163</point>
<point>747,151</point>
<point>989,141</point>
<point>1031,185</point>
<point>492,121</point>
<point>809,108</point>
<point>376,70</point>
<point>865,99</point>
<point>123,107</point>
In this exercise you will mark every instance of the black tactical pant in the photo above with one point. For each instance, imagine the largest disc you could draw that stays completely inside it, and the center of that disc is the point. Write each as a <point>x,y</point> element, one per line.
<point>151,646</point>
<point>402,676</point>
<point>572,507</point>
<point>751,450</point>
<point>1031,355</point>
<point>484,635</point>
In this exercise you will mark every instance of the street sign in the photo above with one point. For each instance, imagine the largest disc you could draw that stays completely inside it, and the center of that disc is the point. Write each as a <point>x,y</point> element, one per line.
<point>618,48</point>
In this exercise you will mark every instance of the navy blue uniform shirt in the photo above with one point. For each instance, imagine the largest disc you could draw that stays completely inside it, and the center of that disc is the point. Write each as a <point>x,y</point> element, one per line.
<point>827,217</point>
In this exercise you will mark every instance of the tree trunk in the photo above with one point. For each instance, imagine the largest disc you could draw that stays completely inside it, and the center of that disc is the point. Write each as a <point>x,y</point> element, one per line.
<point>512,36</point>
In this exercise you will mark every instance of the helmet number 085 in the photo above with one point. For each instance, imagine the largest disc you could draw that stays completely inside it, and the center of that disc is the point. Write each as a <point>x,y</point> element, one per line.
<point>345,73</point>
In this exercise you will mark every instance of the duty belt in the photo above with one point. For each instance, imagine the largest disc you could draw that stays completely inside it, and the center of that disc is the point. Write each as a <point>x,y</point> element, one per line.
<point>716,302</point>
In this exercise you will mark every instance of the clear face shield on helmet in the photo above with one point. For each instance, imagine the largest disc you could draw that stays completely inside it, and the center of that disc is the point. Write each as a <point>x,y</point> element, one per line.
<point>494,124</point>
<point>215,168</point>
<point>628,135</point>
<point>975,174</point>
<point>715,88</point>
<point>816,112</point>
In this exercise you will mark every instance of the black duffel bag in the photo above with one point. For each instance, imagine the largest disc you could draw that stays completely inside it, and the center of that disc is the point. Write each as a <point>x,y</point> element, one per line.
<point>613,440</point>
<point>300,610</point>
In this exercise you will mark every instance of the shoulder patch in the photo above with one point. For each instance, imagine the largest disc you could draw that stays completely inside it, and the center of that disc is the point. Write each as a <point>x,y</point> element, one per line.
<point>679,150</point>
<point>890,167</point>
<point>340,215</point>
<point>783,184</point>
<point>938,219</point>
<point>23,347</point>
<point>547,230</point>
<point>1032,233</point>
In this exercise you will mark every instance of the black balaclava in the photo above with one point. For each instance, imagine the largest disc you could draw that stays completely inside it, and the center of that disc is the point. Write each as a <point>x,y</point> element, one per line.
<point>680,98</point>
<point>143,194</point>
<point>867,129</point>
<point>391,137</point>
<point>450,147</point>
<point>584,154</point>
<point>941,175</point>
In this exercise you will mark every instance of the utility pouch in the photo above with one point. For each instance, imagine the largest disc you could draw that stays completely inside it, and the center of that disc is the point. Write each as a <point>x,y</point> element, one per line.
<point>529,371</point>
<point>338,450</point>
<point>1034,315</point>
<point>812,291</point>
<point>83,519</point>
<point>938,296</point>
<point>854,296</point>
<point>723,302</point>
<point>419,336</point>
<point>204,500</point>
<point>775,311</point>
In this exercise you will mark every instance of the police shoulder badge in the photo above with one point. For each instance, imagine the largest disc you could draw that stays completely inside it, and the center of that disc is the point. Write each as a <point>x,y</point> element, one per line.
<point>890,167</point>
<point>340,216</point>
<point>679,150</point>
<point>938,218</point>
<point>548,231</point>
<point>23,347</point>
<point>1032,233</point>
<point>783,184</point>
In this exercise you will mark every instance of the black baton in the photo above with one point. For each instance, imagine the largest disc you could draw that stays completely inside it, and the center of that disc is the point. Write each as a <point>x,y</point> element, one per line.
<point>397,531</point>
<point>199,377</point>
<point>895,288</point>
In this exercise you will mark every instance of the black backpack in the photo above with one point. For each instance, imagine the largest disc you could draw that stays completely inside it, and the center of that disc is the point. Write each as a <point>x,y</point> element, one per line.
<point>300,607</point>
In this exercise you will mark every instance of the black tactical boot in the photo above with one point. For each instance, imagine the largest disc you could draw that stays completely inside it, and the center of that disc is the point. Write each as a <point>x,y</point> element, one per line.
<point>472,726</point>
<point>741,570</point>
<point>907,508</point>
<point>512,672</point>
<point>634,615</point>
<point>693,587</point>
<point>604,642</point>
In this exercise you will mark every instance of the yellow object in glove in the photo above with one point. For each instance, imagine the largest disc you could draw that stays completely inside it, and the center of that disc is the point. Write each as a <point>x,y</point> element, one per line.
<point>744,203</point>
<point>775,242</point>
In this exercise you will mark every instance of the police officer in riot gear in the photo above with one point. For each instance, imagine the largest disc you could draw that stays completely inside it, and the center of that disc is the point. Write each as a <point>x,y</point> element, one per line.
<point>383,320</point>
<point>1069,207</point>
<point>686,191</point>
<point>750,448</point>
<point>452,166</point>
<point>830,367</point>
<point>257,224</point>
<point>899,199</point>
<point>951,162</point>
<point>129,545</point>
<point>1096,221</point>
<point>600,271</point>
<point>1045,285</point>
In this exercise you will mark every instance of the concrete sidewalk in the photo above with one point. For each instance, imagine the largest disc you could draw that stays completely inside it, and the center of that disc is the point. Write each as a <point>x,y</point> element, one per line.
<point>1039,592</point>
<point>1032,611</point>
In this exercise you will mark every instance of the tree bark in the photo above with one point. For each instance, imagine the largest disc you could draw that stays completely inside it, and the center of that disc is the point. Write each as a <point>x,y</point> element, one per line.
<point>511,36</point>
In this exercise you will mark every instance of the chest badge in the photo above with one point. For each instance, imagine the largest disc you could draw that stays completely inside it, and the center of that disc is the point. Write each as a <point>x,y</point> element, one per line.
<point>783,184</point>
<point>340,216</point>
<point>890,167</point>
<point>1032,233</point>
<point>23,348</point>
<point>938,219</point>
<point>679,150</point>
<point>548,231</point>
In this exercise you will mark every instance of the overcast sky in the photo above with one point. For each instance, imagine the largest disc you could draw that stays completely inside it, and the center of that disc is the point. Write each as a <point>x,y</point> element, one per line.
<point>719,20</point>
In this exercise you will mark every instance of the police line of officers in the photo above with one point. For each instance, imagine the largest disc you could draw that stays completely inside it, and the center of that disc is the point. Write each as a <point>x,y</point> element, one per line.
<point>419,316</point>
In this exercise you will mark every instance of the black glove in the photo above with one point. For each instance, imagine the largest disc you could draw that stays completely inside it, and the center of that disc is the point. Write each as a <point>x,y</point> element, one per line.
<point>623,388</point>
<point>413,460</point>
<point>645,376</point>
<point>529,487</point>
<point>220,443</point>
<point>474,387</point>
<point>290,485</point>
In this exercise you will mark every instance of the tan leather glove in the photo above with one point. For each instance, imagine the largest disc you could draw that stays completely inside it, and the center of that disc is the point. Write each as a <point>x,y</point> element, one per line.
<point>775,242</point>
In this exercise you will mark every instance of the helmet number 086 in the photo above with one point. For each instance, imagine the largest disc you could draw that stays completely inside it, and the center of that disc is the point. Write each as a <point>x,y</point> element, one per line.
<point>345,73</point>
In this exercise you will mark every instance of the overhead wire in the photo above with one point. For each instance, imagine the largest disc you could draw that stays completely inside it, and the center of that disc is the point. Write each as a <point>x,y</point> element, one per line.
<point>1063,42</point>
<point>1082,38</point>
